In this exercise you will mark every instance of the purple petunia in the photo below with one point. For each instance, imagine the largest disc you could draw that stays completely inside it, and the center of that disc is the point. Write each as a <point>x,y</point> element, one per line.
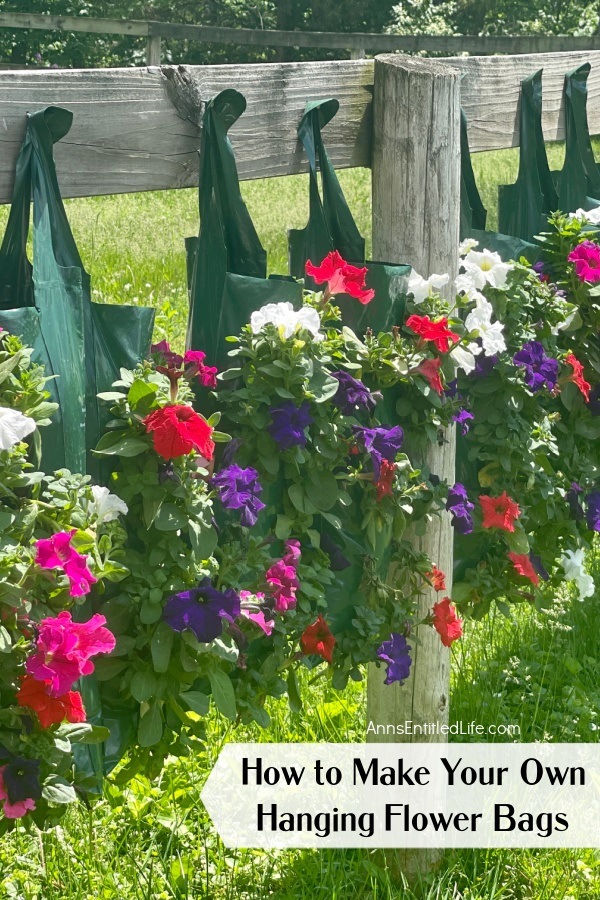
<point>352,396</point>
<point>593,511</point>
<point>202,610</point>
<point>594,401</point>
<point>288,422</point>
<point>463,417</point>
<point>22,779</point>
<point>337,560</point>
<point>572,498</point>
<point>380,443</point>
<point>396,653</point>
<point>239,489</point>
<point>484,365</point>
<point>459,505</point>
<point>538,565</point>
<point>540,370</point>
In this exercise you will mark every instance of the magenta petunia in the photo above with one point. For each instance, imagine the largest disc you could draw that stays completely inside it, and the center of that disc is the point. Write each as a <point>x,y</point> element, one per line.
<point>57,552</point>
<point>64,650</point>
<point>586,258</point>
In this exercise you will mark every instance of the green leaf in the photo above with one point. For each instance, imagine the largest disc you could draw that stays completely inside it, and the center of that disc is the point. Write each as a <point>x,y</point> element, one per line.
<point>170,518</point>
<point>120,444</point>
<point>152,503</point>
<point>517,541</point>
<point>143,686</point>
<point>141,391</point>
<point>204,539</point>
<point>150,728</point>
<point>58,790</point>
<point>196,701</point>
<point>322,488</point>
<point>223,693</point>
<point>293,691</point>
<point>5,641</point>
<point>161,646</point>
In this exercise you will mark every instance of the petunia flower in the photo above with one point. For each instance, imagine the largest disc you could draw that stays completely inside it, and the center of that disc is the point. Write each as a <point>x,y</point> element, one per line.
<point>105,507</point>
<point>460,507</point>
<point>423,288</point>
<point>572,498</point>
<point>577,375</point>
<point>593,511</point>
<point>288,424</point>
<point>318,639</point>
<point>341,278</point>
<point>56,552</point>
<point>164,356</point>
<point>572,563</point>
<point>14,426</point>
<point>463,417</point>
<point>64,650</point>
<point>396,653</point>
<point>253,614</point>
<point>240,489</point>
<point>203,610</point>
<point>33,694</point>
<point>486,267</point>
<point>18,808</point>
<point>446,622</point>
<point>380,443</point>
<point>177,430</point>
<point>524,566</point>
<point>283,584</point>
<point>484,365</point>
<point>540,370</point>
<point>435,331</point>
<point>287,320</point>
<point>538,565</point>
<point>437,579</point>
<point>385,482</point>
<point>586,259</point>
<point>499,512</point>
<point>430,370</point>
<point>352,396</point>
<point>195,367</point>
<point>479,322</point>
<point>20,785</point>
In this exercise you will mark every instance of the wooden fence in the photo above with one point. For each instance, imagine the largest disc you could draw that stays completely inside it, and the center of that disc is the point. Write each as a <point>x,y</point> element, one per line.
<point>139,130</point>
<point>357,43</point>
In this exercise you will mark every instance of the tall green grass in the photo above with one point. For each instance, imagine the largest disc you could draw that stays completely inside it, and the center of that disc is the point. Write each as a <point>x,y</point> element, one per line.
<point>153,841</point>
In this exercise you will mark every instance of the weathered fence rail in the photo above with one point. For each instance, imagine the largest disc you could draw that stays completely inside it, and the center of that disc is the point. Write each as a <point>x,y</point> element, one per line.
<point>357,43</point>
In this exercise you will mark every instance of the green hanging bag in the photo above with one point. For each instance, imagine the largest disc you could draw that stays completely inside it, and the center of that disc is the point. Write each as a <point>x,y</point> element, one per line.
<point>331,226</point>
<point>523,207</point>
<point>227,264</point>
<point>473,214</point>
<point>83,344</point>
<point>578,183</point>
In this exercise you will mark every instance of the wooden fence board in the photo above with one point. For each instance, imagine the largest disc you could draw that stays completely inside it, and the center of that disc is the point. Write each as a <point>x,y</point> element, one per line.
<point>138,129</point>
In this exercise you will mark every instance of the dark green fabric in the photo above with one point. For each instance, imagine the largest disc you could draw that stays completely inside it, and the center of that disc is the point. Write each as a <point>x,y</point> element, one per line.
<point>227,264</point>
<point>473,214</point>
<point>523,207</point>
<point>578,182</point>
<point>331,226</point>
<point>83,344</point>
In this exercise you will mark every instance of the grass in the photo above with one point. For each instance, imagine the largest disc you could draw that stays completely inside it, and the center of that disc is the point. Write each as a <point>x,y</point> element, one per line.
<point>153,841</point>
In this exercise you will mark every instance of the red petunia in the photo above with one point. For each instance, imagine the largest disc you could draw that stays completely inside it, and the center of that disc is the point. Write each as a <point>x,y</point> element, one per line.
<point>437,331</point>
<point>176,430</point>
<point>523,566</point>
<point>317,638</point>
<point>430,369</point>
<point>577,376</point>
<point>446,621</point>
<point>341,278</point>
<point>385,483</point>
<point>499,512</point>
<point>50,710</point>
<point>437,579</point>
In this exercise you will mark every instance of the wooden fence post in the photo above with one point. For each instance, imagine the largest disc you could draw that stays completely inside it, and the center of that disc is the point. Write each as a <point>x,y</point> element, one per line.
<point>416,201</point>
<point>153,50</point>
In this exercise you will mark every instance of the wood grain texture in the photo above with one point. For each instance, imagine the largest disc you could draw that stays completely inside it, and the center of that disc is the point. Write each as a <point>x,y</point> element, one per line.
<point>490,91</point>
<point>416,193</point>
<point>138,129</point>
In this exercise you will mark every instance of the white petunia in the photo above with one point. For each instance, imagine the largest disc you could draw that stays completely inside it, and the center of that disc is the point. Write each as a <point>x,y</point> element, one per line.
<point>486,265</point>
<point>479,322</point>
<point>422,288</point>
<point>105,507</point>
<point>466,246</point>
<point>572,563</point>
<point>464,357</point>
<point>286,320</point>
<point>14,426</point>
<point>587,216</point>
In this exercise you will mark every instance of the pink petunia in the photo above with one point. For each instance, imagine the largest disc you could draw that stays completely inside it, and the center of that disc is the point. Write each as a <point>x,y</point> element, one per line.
<point>586,259</point>
<point>65,648</point>
<point>57,552</point>
<point>13,810</point>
